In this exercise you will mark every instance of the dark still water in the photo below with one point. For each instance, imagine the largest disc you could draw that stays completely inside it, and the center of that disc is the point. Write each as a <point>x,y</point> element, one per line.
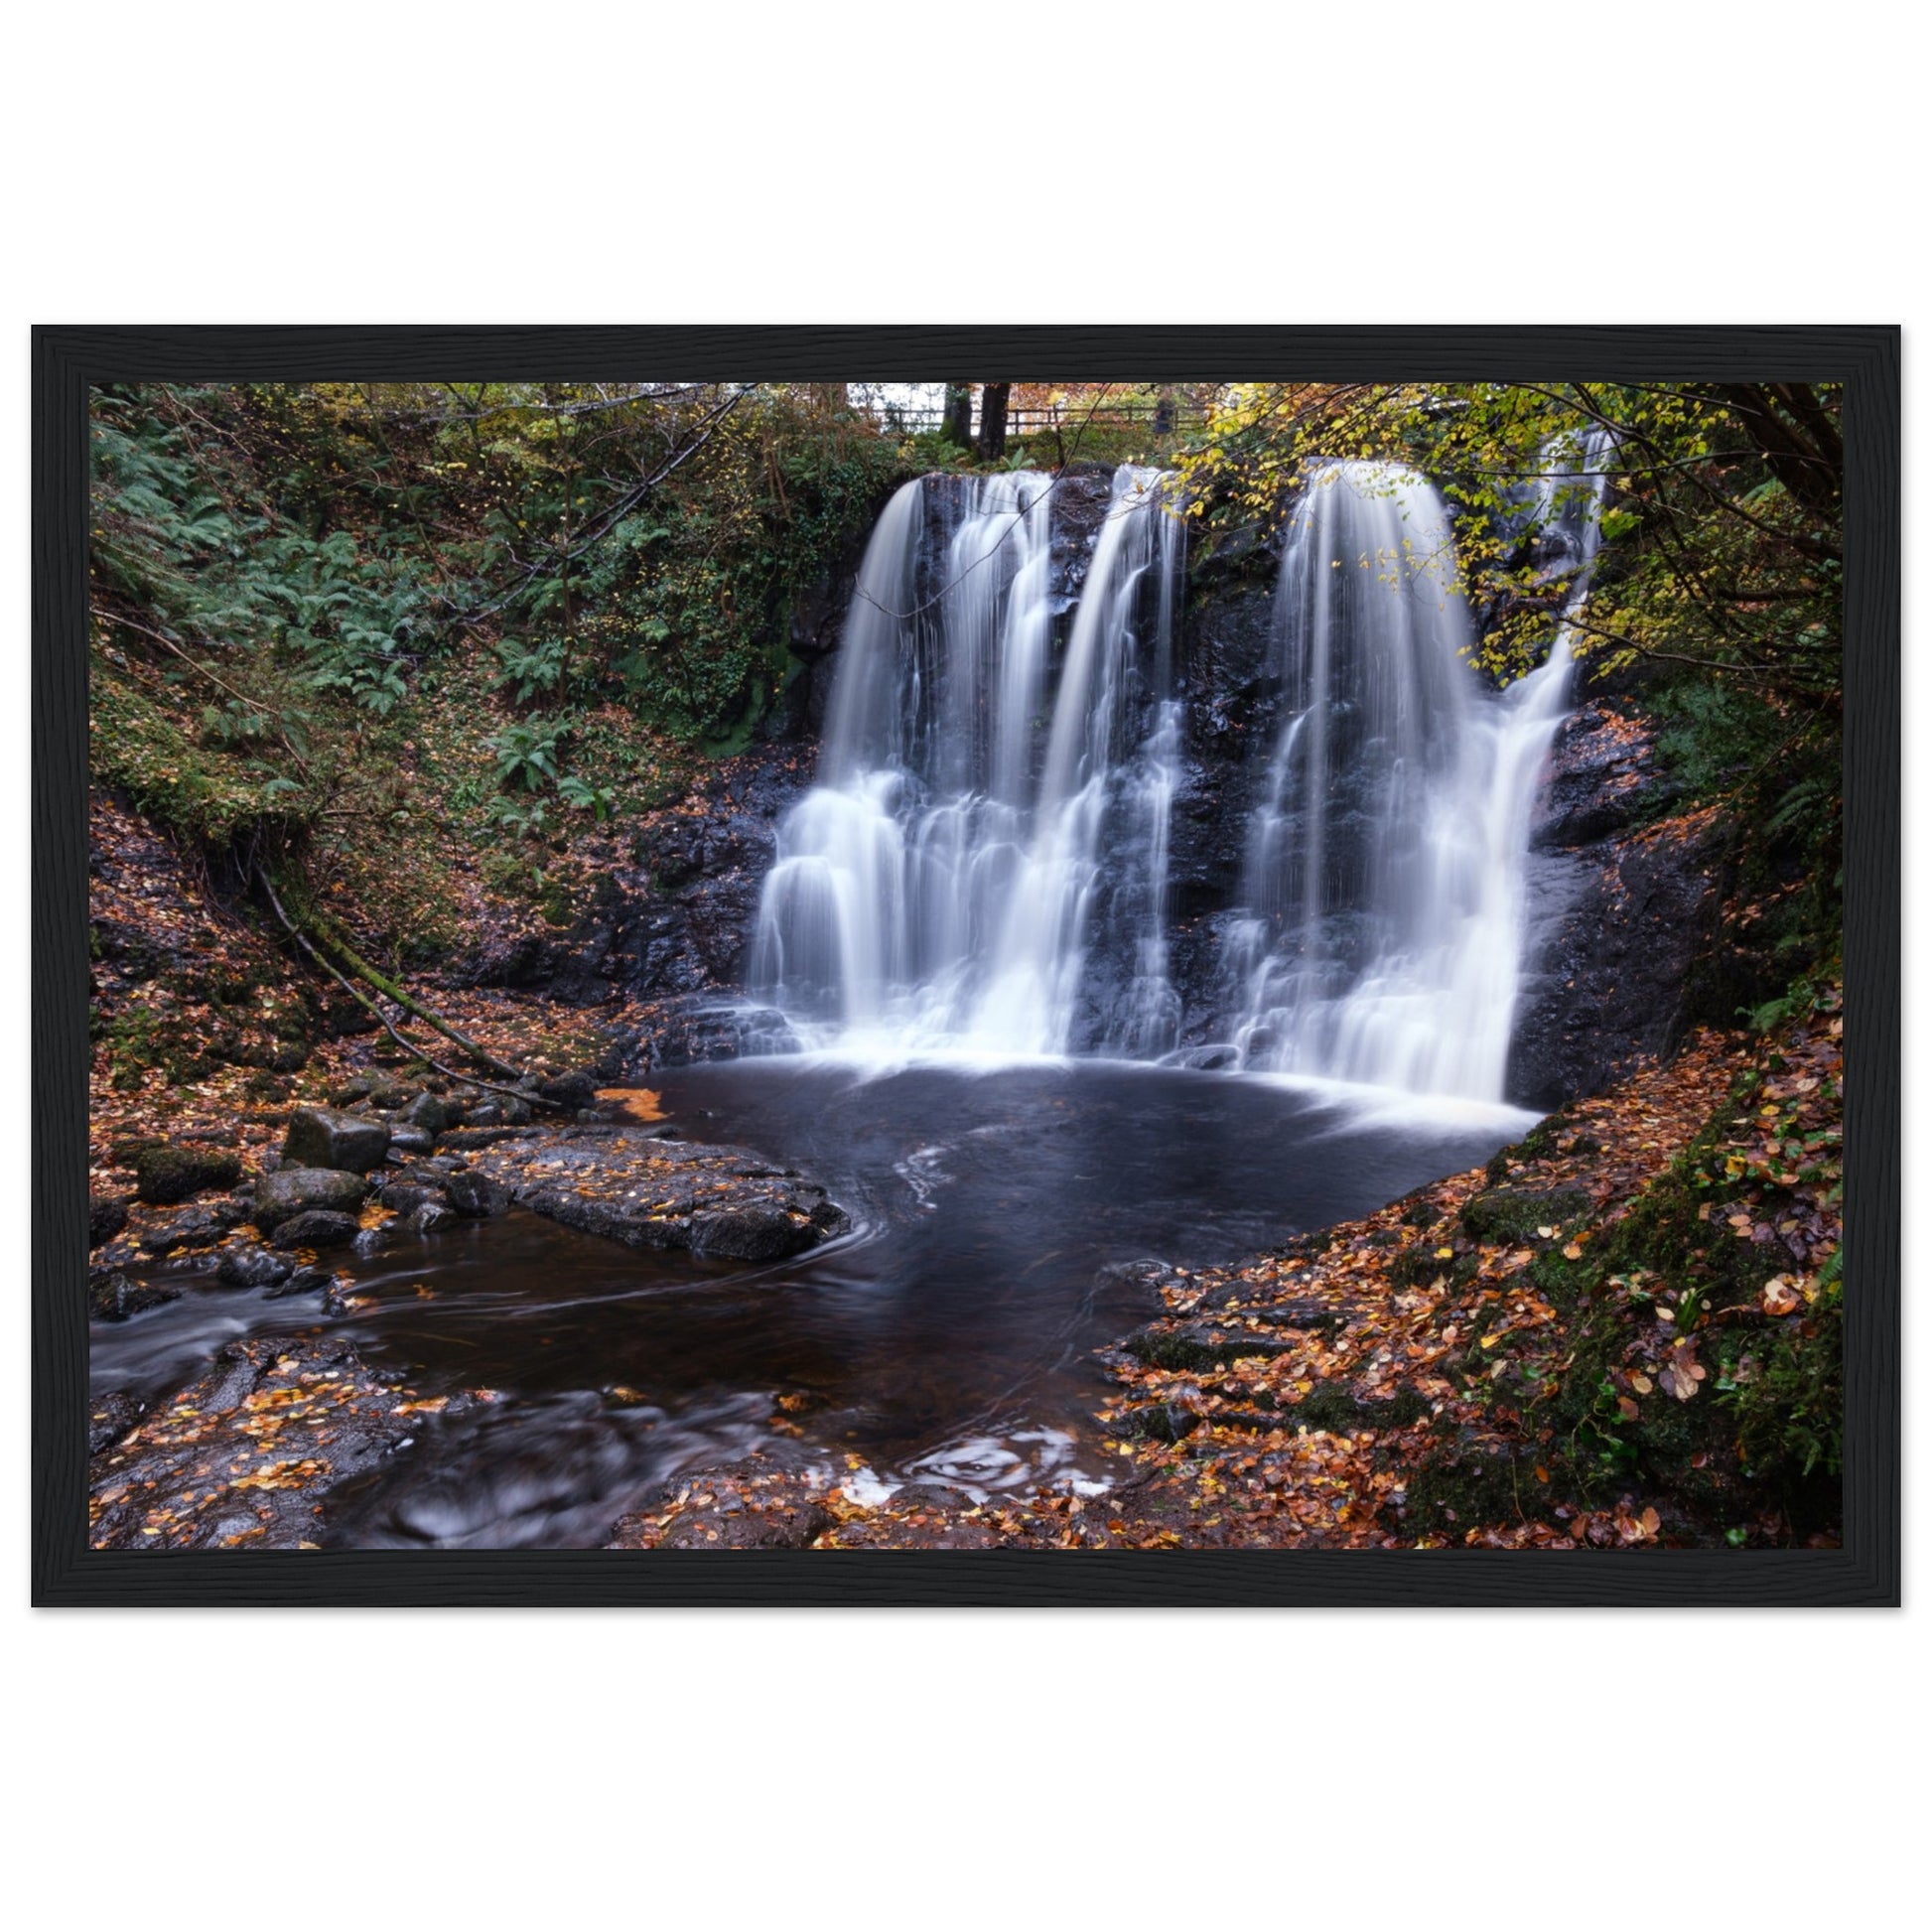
<point>945,1339</point>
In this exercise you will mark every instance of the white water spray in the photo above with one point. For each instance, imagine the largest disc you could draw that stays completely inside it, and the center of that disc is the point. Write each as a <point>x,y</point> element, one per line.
<point>1386,887</point>
<point>942,884</point>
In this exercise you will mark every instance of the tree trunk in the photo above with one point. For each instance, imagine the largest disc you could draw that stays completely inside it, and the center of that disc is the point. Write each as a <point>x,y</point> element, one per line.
<point>957,426</point>
<point>993,420</point>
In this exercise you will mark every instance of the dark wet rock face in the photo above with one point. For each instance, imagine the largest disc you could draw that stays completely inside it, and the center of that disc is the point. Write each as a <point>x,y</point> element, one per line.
<point>1623,902</point>
<point>243,1456</point>
<point>110,1418</point>
<point>649,1192</point>
<point>293,1190</point>
<point>675,912</point>
<point>321,1136</point>
<point>193,1227</point>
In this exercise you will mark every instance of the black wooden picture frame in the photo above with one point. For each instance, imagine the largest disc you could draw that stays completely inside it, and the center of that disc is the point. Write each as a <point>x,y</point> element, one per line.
<point>1865,1570</point>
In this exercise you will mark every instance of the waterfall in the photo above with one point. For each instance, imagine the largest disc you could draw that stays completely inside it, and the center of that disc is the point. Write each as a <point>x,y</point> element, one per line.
<point>986,821</point>
<point>983,865</point>
<point>1385,886</point>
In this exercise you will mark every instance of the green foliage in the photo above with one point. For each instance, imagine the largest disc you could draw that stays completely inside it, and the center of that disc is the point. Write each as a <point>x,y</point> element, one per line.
<point>530,668</point>
<point>364,623</point>
<point>527,753</point>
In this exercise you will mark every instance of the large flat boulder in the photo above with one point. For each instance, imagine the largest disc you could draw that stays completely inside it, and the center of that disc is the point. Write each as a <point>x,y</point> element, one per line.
<point>322,1137</point>
<point>649,1192</point>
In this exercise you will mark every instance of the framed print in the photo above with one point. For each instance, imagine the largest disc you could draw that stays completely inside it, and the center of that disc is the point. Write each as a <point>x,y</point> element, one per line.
<point>1255,966</point>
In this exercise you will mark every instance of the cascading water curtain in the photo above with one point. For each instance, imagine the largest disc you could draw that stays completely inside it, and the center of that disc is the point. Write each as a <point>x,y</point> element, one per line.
<point>1384,882</point>
<point>939,887</point>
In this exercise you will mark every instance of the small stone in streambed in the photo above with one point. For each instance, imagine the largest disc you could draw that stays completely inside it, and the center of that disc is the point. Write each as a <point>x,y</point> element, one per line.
<point>106,1217</point>
<point>428,1112</point>
<point>474,1136</point>
<point>305,1280</point>
<point>476,1195</point>
<point>164,1176</point>
<point>117,1298</point>
<point>498,1110</point>
<point>253,1268</point>
<point>433,1214</point>
<point>405,1196</point>
<point>321,1136</point>
<point>317,1227</point>
<point>410,1140</point>
<point>293,1189</point>
<point>193,1227</point>
<point>572,1090</point>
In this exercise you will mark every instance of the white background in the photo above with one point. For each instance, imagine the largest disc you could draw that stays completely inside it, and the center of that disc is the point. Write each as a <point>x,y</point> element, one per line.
<point>374,163</point>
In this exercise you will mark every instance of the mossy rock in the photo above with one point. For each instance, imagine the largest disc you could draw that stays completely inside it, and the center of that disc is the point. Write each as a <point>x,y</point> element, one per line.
<point>1459,1488</point>
<point>164,1176</point>
<point>1332,1407</point>
<point>1419,1264</point>
<point>1507,1214</point>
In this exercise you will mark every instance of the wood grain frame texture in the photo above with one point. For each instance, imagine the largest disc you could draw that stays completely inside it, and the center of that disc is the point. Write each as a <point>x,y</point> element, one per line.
<point>1865,1572</point>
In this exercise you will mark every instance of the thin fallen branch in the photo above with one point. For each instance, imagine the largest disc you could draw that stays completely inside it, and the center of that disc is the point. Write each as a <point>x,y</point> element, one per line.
<point>363,1000</point>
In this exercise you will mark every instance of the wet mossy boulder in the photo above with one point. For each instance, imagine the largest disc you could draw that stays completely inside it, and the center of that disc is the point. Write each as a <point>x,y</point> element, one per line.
<point>429,1111</point>
<point>293,1190</point>
<point>322,1137</point>
<point>166,1175</point>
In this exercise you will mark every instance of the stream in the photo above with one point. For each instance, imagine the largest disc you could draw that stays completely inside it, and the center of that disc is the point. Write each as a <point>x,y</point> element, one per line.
<point>946,1338</point>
